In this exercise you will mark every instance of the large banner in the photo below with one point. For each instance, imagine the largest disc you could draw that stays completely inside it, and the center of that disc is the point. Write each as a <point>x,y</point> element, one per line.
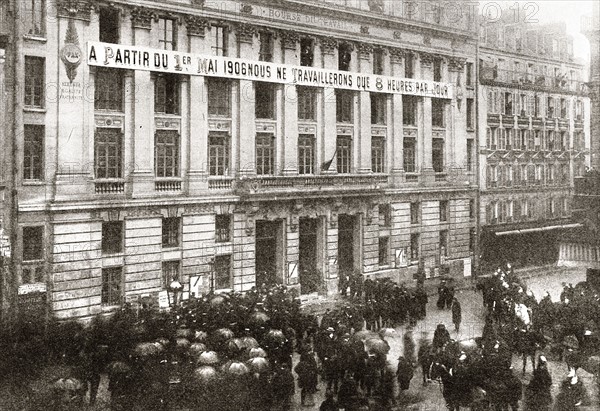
<point>167,61</point>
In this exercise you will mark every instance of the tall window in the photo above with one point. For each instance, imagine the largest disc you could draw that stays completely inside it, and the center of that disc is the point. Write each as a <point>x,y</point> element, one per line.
<point>472,209</point>
<point>307,52</point>
<point>378,108</point>
<point>378,64</point>
<point>218,154</point>
<point>222,272</point>
<point>307,103</point>
<point>112,286</point>
<point>444,243</point>
<point>306,154</point>
<point>344,106</point>
<point>219,97</point>
<point>266,46</point>
<point>33,17</point>
<point>563,108</point>
<point>223,228</point>
<point>167,37</point>
<point>415,206</point>
<point>34,81</point>
<point>171,226</point>
<point>108,153</point>
<point>409,154</point>
<point>414,246</point>
<point>469,74</point>
<point>33,243</point>
<point>438,109</point>
<point>344,154</point>
<point>508,104</point>
<point>264,100</point>
<point>437,69</point>
<point>537,106</point>
<point>109,22</point>
<point>409,66</point>
<point>470,145</point>
<point>344,56</point>
<point>409,110</point>
<point>444,210</point>
<point>112,237</point>
<point>166,94</point>
<point>437,155</point>
<point>377,154</point>
<point>384,251</point>
<point>33,152</point>
<point>170,272</point>
<point>550,105</point>
<point>166,153</point>
<point>219,47</point>
<point>265,154</point>
<point>470,113</point>
<point>108,89</point>
<point>385,215</point>
<point>472,239</point>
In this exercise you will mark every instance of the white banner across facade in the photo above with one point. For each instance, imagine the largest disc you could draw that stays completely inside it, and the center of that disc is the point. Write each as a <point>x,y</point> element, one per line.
<point>167,61</point>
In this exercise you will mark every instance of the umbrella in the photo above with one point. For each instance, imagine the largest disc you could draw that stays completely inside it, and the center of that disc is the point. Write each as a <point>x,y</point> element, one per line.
<point>249,342</point>
<point>183,333</point>
<point>223,334</point>
<point>163,341</point>
<point>276,336</point>
<point>182,343</point>
<point>365,335</point>
<point>236,368</point>
<point>146,349</point>
<point>258,364</point>
<point>201,336</point>
<point>257,352</point>
<point>68,384</point>
<point>196,349</point>
<point>377,346</point>
<point>206,374</point>
<point>259,317</point>
<point>208,358</point>
<point>217,300</point>
<point>118,367</point>
<point>387,332</point>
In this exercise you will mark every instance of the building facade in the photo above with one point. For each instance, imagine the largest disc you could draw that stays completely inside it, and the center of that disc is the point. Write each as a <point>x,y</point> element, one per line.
<point>534,139</point>
<point>235,143</point>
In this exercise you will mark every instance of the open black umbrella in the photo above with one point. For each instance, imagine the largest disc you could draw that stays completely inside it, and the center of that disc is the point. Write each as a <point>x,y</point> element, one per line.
<point>206,374</point>
<point>275,336</point>
<point>208,358</point>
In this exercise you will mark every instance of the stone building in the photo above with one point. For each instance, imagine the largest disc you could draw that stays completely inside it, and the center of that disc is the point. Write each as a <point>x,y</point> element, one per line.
<point>534,138</point>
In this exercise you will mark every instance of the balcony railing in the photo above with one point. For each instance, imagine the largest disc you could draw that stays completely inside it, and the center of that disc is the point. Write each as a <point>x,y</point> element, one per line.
<point>109,187</point>
<point>167,185</point>
<point>258,184</point>
<point>220,183</point>
<point>489,73</point>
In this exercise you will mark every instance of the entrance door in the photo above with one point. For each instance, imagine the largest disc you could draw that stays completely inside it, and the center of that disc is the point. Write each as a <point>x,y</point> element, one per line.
<point>268,243</point>
<point>346,230</point>
<point>310,278</point>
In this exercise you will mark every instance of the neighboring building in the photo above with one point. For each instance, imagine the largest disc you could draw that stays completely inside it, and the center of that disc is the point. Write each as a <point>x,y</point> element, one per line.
<point>129,178</point>
<point>534,138</point>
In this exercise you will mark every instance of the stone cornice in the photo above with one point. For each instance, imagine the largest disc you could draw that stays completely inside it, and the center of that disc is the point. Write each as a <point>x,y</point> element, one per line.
<point>246,32</point>
<point>289,39</point>
<point>196,26</point>
<point>75,8</point>
<point>141,17</point>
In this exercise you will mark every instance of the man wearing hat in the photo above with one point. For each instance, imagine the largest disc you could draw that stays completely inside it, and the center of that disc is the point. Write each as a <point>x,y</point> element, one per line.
<point>537,394</point>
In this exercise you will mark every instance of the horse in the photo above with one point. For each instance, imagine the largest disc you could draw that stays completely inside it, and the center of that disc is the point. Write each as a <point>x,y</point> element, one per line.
<point>459,391</point>
<point>526,343</point>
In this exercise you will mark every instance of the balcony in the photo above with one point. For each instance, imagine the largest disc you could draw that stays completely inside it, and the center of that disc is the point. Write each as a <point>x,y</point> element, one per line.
<point>220,183</point>
<point>492,75</point>
<point>293,185</point>
<point>109,187</point>
<point>167,185</point>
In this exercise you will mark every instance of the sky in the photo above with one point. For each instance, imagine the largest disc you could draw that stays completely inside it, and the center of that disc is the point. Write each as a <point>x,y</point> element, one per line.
<point>547,11</point>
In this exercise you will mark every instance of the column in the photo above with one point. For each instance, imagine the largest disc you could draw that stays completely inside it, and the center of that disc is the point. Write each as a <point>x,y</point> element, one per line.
<point>363,132</point>
<point>248,50</point>
<point>396,157</point>
<point>289,115</point>
<point>424,116</point>
<point>329,120</point>
<point>456,126</point>
<point>197,95</point>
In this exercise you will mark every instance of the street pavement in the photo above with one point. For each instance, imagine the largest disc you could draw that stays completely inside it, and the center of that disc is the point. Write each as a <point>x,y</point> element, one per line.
<point>429,397</point>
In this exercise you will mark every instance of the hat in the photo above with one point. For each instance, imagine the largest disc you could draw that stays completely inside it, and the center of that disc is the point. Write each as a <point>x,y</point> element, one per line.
<point>463,356</point>
<point>330,329</point>
<point>542,358</point>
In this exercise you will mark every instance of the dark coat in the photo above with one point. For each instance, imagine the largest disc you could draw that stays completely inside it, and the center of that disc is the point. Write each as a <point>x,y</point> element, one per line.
<point>537,395</point>
<point>307,372</point>
<point>456,313</point>
<point>404,373</point>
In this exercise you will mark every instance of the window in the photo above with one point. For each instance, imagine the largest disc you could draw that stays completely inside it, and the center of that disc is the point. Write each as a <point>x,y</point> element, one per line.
<point>438,108</point>
<point>33,243</point>
<point>437,69</point>
<point>219,47</point>
<point>34,81</point>
<point>33,152</point>
<point>222,272</point>
<point>508,104</point>
<point>344,57</point>
<point>472,239</point>
<point>470,114</point>
<point>167,37</point>
<point>469,74</point>
<point>550,105</point>
<point>384,247</point>
<point>385,215</point>
<point>170,231</point>
<point>444,210</point>
<point>166,94</point>
<point>33,17</point>
<point>219,97</point>
<point>112,237</point>
<point>112,288</point>
<point>264,100</point>
<point>523,104</point>
<point>437,154</point>
<point>306,154</point>
<point>377,154</point>
<point>223,228</point>
<point>472,209</point>
<point>409,110</point>
<point>109,22</point>
<point>307,103</point>
<point>108,153</point>
<point>307,52</point>
<point>409,66</point>
<point>266,46</point>
<point>414,212</point>
<point>378,63</point>
<point>170,273</point>
<point>108,89</point>
<point>470,145</point>
<point>444,243</point>
<point>344,154</point>
<point>563,108</point>
<point>265,154</point>
<point>344,101</point>
<point>378,108</point>
<point>502,139</point>
<point>414,246</point>
<point>218,154</point>
<point>537,106</point>
<point>409,154</point>
<point>492,133</point>
<point>166,153</point>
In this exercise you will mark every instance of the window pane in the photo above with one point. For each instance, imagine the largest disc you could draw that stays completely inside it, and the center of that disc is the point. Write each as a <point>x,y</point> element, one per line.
<point>166,153</point>
<point>108,89</point>
<point>112,286</point>
<point>112,237</point>
<point>33,243</point>
<point>108,153</point>
<point>222,272</point>
<point>34,81</point>
<point>33,152</point>
<point>219,97</point>
<point>218,152</point>
<point>223,228</point>
<point>344,154</point>
<point>377,154</point>
<point>170,231</point>
<point>409,146</point>
<point>265,100</point>
<point>306,156</point>
<point>265,154</point>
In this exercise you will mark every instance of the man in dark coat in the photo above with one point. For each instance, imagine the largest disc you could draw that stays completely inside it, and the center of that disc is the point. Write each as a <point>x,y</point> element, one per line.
<point>348,393</point>
<point>442,293</point>
<point>282,388</point>
<point>456,314</point>
<point>537,395</point>
<point>422,299</point>
<point>330,404</point>
<point>405,373</point>
<point>441,337</point>
<point>307,377</point>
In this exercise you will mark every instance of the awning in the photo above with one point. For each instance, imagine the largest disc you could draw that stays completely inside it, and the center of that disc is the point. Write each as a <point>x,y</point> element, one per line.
<point>538,229</point>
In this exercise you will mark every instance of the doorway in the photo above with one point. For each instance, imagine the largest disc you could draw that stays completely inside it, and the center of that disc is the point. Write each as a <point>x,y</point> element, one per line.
<point>268,254</point>
<point>347,254</point>
<point>308,258</point>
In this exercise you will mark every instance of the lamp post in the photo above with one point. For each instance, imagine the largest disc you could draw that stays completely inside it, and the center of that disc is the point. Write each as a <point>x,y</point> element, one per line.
<point>176,287</point>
